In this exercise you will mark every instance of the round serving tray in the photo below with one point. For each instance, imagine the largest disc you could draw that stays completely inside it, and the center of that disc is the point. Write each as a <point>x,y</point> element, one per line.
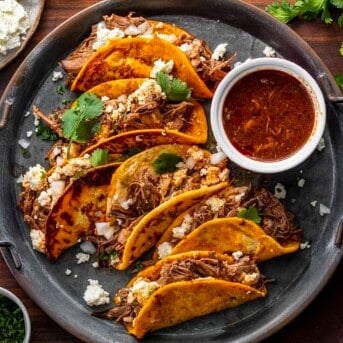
<point>299,277</point>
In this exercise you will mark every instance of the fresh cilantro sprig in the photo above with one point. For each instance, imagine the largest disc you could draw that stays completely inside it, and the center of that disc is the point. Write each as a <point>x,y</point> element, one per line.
<point>166,163</point>
<point>251,213</point>
<point>307,9</point>
<point>99,157</point>
<point>79,123</point>
<point>175,89</point>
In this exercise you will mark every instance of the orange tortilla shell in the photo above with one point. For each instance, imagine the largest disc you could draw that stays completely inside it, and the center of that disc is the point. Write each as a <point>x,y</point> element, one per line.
<point>74,214</point>
<point>134,58</point>
<point>183,300</point>
<point>227,235</point>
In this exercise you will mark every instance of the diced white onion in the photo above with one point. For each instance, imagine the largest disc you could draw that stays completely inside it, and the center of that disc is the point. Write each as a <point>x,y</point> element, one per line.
<point>104,229</point>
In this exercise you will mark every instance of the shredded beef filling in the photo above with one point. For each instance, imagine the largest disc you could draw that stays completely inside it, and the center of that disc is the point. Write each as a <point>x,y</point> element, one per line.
<point>185,270</point>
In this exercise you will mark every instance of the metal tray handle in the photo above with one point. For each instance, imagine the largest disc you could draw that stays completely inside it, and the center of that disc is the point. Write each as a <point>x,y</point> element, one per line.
<point>12,250</point>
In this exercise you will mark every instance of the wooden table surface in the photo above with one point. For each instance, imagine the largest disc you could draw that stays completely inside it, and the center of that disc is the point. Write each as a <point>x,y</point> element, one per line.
<point>322,321</point>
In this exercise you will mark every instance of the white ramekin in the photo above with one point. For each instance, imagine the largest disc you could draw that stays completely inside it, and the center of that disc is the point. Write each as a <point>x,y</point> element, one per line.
<point>248,67</point>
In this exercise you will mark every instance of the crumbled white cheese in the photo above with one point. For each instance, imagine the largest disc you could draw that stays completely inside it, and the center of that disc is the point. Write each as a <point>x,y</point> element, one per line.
<point>314,203</point>
<point>104,35</point>
<point>29,133</point>
<point>95,295</point>
<point>104,229</point>
<point>38,240</point>
<point>95,264</point>
<point>301,183</point>
<point>237,255</point>
<point>164,249</point>
<point>219,52</point>
<point>149,89</point>
<point>169,38</point>
<point>186,47</point>
<point>269,51</point>
<point>14,22</point>
<point>35,178</point>
<point>280,191</point>
<point>161,66</point>
<point>45,198</point>
<point>27,114</point>
<point>81,257</point>
<point>75,276</point>
<point>321,144</point>
<point>215,203</point>
<point>305,245</point>
<point>250,279</point>
<point>56,75</point>
<point>141,290</point>
<point>9,101</point>
<point>36,120</point>
<point>324,210</point>
<point>67,272</point>
<point>180,231</point>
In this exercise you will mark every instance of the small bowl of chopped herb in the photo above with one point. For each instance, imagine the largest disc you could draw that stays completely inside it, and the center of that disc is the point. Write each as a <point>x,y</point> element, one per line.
<point>15,323</point>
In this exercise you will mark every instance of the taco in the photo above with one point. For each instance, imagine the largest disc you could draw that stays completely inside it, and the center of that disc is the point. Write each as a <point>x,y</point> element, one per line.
<point>79,211</point>
<point>200,223</point>
<point>149,190</point>
<point>210,67</point>
<point>185,286</point>
<point>129,113</point>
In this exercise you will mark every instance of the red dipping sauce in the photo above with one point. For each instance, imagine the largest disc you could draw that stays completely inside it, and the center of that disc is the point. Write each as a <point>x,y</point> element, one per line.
<point>268,115</point>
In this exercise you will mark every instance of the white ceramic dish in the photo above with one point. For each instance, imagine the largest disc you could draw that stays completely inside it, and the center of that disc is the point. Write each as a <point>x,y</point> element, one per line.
<point>244,69</point>
<point>4,292</point>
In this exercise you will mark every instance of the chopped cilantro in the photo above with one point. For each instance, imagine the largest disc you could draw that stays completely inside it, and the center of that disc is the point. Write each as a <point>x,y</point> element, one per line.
<point>64,101</point>
<point>175,89</point>
<point>79,123</point>
<point>46,133</point>
<point>26,153</point>
<point>166,163</point>
<point>99,157</point>
<point>139,266</point>
<point>12,327</point>
<point>251,213</point>
<point>103,256</point>
<point>60,89</point>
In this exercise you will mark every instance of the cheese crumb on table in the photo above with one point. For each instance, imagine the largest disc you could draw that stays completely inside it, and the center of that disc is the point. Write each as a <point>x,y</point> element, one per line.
<point>95,295</point>
<point>82,257</point>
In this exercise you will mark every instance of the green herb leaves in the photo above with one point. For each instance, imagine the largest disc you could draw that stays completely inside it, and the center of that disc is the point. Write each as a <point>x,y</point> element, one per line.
<point>308,9</point>
<point>175,89</point>
<point>12,327</point>
<point>251,213</point>
<point>166,163</point>
<point>79,123</point>
<point>46,133</point>
<point>99,157</point>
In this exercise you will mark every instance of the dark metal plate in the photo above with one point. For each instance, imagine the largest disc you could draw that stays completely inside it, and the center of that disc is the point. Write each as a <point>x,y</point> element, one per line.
<point>300,276</point>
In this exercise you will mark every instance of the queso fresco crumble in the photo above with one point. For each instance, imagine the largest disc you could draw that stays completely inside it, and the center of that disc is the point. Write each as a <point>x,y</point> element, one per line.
<point>14,23</point>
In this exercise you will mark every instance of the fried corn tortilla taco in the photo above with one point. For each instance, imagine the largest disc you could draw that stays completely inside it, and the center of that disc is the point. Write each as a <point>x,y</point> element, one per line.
<point>79,211</point>
<point>121,114</point>
<point>185,286</point>
<point>210,67</point>
<point>273,220</point>
<point>149,190</point>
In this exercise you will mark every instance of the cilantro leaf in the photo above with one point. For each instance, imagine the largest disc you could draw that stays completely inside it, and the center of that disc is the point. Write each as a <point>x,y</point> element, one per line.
<point>337,3</point>
<point>175,89</point>
<point>340,21</point>
<point>341,48</point>
<point>46,133</point>
<point>79,123</point>
<point>283,11</point>
<point>166,163</point>
<point>89,105</point>
<point>252,213</point>
<point>99,157</point>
